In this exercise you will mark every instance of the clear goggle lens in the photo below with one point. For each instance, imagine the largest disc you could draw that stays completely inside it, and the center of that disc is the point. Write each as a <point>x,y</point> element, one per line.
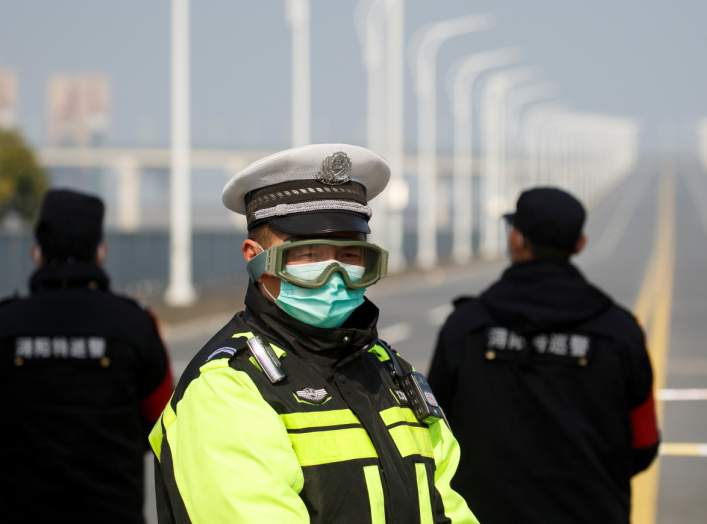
<point>313,271</point>
<point>312,264</point>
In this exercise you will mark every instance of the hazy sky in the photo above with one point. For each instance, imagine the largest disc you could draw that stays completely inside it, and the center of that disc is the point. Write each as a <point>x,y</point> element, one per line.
<point>639,58</point>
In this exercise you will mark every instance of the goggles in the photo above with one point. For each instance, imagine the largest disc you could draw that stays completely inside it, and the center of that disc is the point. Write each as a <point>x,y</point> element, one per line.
<point>310,263</point>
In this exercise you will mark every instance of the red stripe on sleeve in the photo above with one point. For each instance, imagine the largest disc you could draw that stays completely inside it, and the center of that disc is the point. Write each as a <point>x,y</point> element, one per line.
<point>153,404</point>
<point>644,425</point>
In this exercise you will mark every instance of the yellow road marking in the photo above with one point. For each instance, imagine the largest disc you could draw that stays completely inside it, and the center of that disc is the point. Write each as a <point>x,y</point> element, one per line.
<point>653,309</point>
<point>643,308</point>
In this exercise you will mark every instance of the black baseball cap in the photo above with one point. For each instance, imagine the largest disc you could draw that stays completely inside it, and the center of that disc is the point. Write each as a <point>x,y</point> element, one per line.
<point>549,217</point>
<point>70,225</point>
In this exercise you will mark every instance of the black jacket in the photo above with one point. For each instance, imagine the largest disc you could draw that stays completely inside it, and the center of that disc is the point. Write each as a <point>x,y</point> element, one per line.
<point>83,373</point>
<point>547,385</point>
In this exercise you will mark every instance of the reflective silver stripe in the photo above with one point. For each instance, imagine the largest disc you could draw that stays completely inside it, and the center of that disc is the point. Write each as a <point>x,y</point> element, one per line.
<point>230,351</point>
<point>315,205</point>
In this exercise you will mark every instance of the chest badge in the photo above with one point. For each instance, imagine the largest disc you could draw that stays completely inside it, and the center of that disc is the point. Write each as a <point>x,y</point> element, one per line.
<point>312,396</point>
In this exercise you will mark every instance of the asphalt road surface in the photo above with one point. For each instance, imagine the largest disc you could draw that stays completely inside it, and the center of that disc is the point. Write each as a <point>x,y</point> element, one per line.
<point>648,248</point>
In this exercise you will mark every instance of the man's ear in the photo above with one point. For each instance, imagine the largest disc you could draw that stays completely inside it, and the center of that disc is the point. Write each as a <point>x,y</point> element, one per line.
<point>250,248</point>
<point>37,255</point>
<point>101,253</point>
<point>517,240</point>
<point>524,243</point>
<point>520,248</point>
<point>580,245</point>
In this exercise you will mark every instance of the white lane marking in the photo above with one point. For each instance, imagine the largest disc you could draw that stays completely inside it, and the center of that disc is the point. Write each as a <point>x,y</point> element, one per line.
<point>683,449</point>
<point>682,394</point>
<point>437,315</point>
<point>396,333</point>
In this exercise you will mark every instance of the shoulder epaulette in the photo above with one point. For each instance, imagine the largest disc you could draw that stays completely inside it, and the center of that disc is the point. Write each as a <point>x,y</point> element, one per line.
<point>228,347</point>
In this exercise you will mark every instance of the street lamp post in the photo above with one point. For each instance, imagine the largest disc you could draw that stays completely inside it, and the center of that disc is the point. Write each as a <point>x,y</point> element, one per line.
<point>493,117</point>
<point>381,36</point>
<point>180,290</point>
<point>397,194</point>
<point>298,18</point>
<point>533,126</point>
<point>426,44</point>
<point>464,76</point>
<point>586,153</point>
<point>566,134</point>
<point>128,194</point>
<point>519,101</point>
<point>524,99</point>
<point>369,25</point>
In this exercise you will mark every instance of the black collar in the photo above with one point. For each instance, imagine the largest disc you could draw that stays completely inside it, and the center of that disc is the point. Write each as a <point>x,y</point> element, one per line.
<point>68,274</point>
<point>542,295</point>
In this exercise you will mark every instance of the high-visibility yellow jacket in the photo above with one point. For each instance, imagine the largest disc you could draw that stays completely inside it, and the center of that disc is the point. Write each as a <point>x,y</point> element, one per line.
<point>233,447</point>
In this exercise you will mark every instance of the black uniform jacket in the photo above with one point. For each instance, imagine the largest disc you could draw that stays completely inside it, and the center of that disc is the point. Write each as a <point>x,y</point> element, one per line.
<point>547,386</point>
<point>83,373</point>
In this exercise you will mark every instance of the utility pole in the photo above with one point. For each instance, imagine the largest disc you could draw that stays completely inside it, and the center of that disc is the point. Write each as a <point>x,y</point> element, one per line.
<point>298,18</point>
<point>370,22</point>
<point>398,193</point>
<point>462,80</point>
<point>426,44</point>
<point>493,117</point>
<point>180,291</point>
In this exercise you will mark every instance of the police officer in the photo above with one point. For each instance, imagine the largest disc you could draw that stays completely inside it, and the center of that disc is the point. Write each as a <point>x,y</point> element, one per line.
<point>83,376</point>
<point>295,411</point>
<point>546,381</point>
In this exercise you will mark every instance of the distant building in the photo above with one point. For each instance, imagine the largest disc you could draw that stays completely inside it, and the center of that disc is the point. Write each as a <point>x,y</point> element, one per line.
<point>8,99</point>
<point>79,109</point>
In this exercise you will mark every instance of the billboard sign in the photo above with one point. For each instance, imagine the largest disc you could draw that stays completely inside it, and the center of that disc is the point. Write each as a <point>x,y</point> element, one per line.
<point>79,109</point>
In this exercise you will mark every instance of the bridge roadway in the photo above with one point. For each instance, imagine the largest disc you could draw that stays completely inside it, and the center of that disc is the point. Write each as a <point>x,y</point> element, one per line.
<point>648,248</point>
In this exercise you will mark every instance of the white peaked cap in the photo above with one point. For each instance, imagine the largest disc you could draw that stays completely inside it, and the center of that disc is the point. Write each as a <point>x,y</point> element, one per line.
<point>325,165</point>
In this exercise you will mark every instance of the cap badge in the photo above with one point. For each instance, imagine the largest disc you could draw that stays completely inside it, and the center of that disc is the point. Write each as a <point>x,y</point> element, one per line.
<point>335,170</point>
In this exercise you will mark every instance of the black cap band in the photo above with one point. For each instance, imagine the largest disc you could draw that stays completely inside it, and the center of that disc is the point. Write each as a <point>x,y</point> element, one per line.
<point>305,197</point>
